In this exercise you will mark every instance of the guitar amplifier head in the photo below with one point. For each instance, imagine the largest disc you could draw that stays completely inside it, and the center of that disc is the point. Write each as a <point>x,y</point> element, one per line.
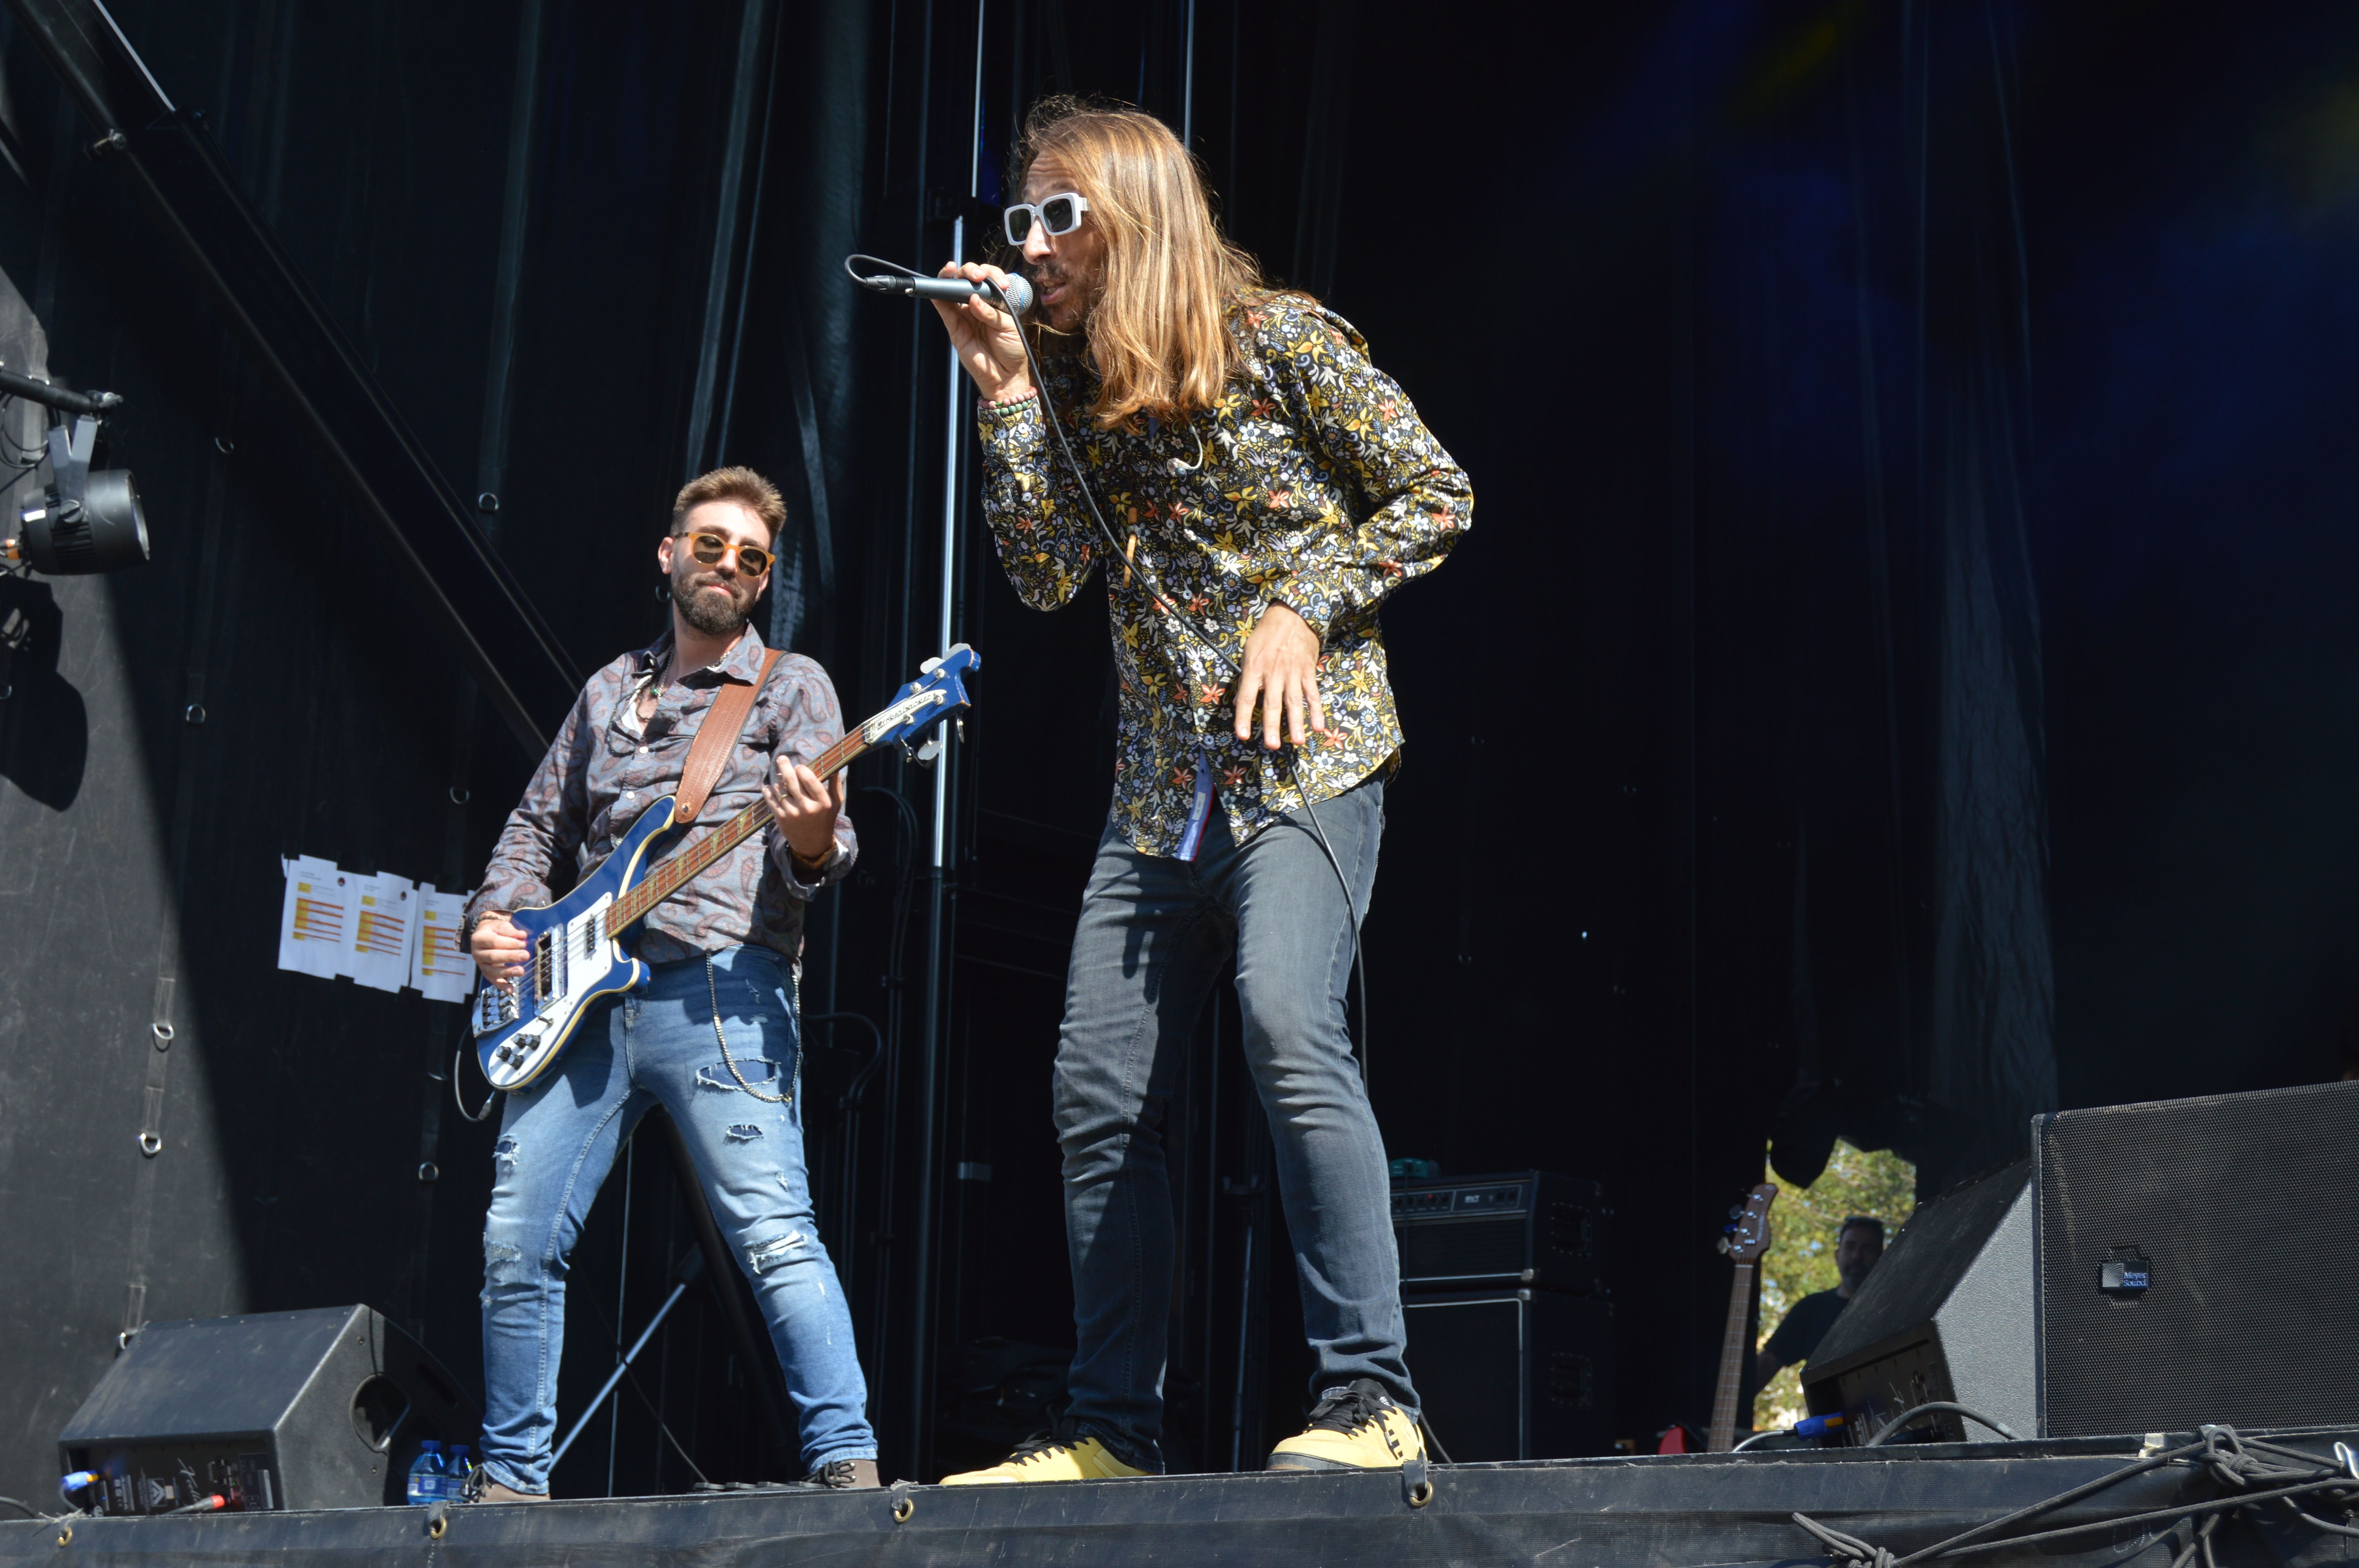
<point>1515,1228</point>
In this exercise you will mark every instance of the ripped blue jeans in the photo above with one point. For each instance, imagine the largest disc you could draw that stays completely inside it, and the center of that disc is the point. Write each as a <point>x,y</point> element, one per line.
<point>557,1140</point>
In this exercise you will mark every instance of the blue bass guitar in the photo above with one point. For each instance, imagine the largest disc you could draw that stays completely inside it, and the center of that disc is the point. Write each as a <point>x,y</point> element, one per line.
<point>574,946</point>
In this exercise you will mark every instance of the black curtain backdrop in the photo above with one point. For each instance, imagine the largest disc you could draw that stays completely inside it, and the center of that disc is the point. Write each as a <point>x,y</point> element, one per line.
<point>1868,299</point>
<point>1897,682</point>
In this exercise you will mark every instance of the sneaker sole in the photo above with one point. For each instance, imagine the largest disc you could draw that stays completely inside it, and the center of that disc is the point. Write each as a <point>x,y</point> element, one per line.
<point>1306,1462</point>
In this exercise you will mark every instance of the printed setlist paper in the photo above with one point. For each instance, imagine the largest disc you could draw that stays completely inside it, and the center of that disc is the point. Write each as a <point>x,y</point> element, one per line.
<point>382,931</point>
<point>312,920</point>
<point>385,921</point>
<point>439,966</point>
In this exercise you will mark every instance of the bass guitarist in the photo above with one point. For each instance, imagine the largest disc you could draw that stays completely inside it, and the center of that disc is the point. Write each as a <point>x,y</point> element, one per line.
<point>713,1036</point>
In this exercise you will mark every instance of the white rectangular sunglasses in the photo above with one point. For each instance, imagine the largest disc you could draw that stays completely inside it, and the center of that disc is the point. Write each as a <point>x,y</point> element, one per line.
<point>1059,214</point>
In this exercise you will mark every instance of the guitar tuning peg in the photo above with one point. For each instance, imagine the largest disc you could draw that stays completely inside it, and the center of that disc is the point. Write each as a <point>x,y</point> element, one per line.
<point>907,754</point>
<point>1737,1213</point>
<point>1725,1246</point>
<point>929,667</point>
<point>928,752</point>
<point>959,725</point>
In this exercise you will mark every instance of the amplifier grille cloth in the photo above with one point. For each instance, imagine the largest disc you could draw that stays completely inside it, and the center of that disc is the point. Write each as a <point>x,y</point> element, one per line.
<point>1460,1248</point>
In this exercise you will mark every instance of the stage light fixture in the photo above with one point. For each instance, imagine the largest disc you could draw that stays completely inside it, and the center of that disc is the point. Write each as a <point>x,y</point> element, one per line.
<point>85,521</point>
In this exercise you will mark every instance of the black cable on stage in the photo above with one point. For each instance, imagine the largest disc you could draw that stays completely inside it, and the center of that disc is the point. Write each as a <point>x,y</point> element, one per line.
<point>1163,602</point>
<point>2234,1461</point>
<point>30,1511</point>
<point>457,1057</point>
<point>1935,1407</point>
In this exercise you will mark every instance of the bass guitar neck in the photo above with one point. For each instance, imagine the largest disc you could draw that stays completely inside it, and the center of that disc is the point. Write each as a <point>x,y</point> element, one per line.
<point>1744,1239</point>
<point>1723,1436</point>
<point>677,871</point>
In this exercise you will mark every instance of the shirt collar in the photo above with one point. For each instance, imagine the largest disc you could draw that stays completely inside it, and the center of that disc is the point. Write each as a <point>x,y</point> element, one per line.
<point>742,662</point>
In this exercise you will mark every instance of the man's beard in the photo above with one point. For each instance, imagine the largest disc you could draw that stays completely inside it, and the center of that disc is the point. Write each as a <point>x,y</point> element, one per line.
<point>709,616</point>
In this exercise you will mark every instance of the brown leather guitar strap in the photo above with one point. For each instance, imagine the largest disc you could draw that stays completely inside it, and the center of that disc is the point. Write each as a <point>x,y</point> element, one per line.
<point>716,736</point>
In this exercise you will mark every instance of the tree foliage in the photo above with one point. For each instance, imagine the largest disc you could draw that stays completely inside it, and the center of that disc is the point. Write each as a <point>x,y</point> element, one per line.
<point>1801,1256</point>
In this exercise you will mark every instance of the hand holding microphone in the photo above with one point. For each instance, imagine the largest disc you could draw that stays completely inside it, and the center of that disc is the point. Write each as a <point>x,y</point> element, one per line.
<point>989,343</point>
<point>989,287</point>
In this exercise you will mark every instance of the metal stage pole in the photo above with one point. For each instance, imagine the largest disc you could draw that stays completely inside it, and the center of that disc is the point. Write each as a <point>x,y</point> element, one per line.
<point>938,935</point>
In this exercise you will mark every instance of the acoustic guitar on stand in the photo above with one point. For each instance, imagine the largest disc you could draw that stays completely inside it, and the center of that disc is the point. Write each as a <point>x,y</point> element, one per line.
<point>1745,1238</point>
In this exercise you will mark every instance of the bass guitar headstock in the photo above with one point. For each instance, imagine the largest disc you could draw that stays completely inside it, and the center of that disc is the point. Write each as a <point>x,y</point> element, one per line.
<point>1746,1236</point>
<point>938,692</point>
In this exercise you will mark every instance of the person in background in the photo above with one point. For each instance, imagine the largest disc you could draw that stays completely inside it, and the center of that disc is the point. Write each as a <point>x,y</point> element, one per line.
<point>1858,1244</point>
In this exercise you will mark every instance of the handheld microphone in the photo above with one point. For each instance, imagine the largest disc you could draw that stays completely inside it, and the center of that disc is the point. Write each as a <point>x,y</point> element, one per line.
<point>1018,297</point>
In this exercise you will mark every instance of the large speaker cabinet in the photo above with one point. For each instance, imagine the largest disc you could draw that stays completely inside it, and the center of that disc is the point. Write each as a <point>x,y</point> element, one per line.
<point>1514,1374</point>
<point>2196,1262</point>
<point>1947,1314</point>
<point>2148,1269</point>
<point>288,1410</point>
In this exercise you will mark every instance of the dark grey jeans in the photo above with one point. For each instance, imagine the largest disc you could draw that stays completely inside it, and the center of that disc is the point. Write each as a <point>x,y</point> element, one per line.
<point>1153,936</point>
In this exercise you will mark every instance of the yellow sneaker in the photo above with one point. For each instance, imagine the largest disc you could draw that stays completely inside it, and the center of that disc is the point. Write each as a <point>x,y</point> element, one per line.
<point>1048,1458</point>
<point>1358,1428</point>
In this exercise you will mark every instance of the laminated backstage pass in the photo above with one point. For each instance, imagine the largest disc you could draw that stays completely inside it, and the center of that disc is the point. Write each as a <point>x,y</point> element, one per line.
<point>314,918</point>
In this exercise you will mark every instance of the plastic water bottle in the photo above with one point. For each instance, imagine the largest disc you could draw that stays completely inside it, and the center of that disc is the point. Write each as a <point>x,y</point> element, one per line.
<point>426,1475</point>
<point>454,1472</point>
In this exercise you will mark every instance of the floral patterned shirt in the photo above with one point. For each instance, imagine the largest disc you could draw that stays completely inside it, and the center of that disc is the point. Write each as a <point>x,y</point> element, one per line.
<point>1313,484</point>
<point>605,768</point>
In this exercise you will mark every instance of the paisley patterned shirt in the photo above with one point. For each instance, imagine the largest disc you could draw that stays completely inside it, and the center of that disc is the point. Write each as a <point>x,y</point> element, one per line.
<point>1313,484</point>
<point>605,768</point>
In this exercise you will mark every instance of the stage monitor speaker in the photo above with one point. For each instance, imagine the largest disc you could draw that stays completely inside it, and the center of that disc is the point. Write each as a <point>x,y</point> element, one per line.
<point>1518,1227</point>
<point>288,1410</point>
<point>1947,1314</point>
<point>1514,1374</point>
<point>2196,1263</point>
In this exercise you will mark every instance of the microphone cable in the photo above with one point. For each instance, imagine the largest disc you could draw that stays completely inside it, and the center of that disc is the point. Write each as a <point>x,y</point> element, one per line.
<point>1187,623</point>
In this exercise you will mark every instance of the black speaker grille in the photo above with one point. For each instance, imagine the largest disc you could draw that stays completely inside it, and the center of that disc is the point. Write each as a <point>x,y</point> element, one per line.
<point>2236,1208</point>
<point>1464,1249</point>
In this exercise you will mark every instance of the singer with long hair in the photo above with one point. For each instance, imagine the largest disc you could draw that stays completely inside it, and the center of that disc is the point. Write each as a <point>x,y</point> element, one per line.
<point>1256,488</point>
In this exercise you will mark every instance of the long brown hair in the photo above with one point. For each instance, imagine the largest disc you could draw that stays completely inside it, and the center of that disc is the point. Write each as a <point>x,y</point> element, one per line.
<point>1159,330</point>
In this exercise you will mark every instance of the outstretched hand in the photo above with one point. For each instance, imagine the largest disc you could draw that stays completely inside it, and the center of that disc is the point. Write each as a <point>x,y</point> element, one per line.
<point>1280,673</point>
<point>989,343</point>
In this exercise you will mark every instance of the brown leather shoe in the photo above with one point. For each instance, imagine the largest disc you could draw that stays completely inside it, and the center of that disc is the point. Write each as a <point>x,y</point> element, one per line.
<point>845,1476</point>
<point>492,1491</point>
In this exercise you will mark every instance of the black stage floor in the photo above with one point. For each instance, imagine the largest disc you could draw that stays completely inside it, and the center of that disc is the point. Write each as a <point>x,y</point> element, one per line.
<point>1695,1511</point>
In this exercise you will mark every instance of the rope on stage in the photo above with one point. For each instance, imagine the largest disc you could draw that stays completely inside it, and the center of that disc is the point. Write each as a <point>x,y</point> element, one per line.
<point>2237,1464</point>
